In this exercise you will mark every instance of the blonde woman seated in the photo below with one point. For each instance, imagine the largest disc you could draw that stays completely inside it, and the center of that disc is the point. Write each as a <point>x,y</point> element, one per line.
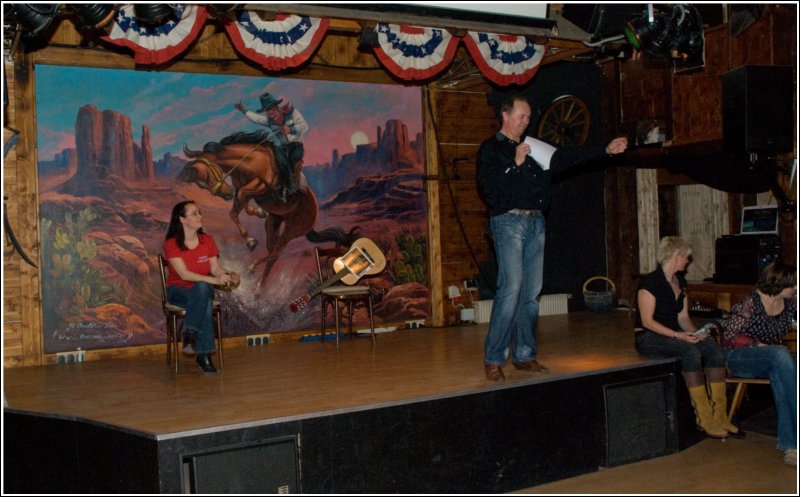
<point>665,330</point>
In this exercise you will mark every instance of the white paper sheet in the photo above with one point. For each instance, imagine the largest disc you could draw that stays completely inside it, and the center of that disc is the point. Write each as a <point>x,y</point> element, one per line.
<point>541,152</point>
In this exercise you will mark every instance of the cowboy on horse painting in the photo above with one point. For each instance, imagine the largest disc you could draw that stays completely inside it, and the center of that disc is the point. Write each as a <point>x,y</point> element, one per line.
<point>285,127</point>
<point>250,162</point>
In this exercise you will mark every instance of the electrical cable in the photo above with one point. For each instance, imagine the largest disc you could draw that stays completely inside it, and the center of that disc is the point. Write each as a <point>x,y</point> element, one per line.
<point>604,40</point>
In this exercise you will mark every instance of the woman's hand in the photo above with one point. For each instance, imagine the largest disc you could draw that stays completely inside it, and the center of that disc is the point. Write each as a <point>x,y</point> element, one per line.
<point>686,337</point>
<point>229,281</point>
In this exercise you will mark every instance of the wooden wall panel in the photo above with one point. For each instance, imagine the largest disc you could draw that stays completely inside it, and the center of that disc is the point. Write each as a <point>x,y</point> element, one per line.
<point>645,90</point>
<point>754,45</point>
<point>463,120</point>
<point>647,204</point>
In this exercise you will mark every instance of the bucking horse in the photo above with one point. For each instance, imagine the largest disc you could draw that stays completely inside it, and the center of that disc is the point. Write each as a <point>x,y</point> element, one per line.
<point>251,165</point>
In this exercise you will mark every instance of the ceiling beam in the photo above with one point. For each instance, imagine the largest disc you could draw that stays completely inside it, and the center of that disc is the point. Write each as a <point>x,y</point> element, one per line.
<point>500,24</point>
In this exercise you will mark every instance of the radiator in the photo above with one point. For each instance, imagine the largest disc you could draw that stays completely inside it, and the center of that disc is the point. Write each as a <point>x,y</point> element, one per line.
<point>549,305</point>
<point>553,304</point>
<point>483,310</point>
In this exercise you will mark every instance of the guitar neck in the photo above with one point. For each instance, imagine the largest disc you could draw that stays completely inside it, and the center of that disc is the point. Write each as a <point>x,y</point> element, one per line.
<point>364,257</point>
<point>330,281</point>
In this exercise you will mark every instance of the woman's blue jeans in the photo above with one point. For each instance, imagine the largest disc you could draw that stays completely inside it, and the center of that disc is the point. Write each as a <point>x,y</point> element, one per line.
<point>519,246</point>
<point>198,302</point>
<point>776,363</point>
<point>694,356</point>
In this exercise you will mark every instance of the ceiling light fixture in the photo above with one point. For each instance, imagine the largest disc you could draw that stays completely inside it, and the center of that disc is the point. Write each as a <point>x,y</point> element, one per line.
<point>677,34</point>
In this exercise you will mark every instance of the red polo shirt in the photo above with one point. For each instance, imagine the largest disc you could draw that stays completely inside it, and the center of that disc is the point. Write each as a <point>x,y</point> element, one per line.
<point>196,259</point>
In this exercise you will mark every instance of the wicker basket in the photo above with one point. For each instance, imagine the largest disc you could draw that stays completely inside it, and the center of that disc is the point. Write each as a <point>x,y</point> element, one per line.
<point>599,301</point>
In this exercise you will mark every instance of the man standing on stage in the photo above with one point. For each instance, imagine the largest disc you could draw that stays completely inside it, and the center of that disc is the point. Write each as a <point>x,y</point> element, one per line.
<point>286,127</point>
<point>514,181</point>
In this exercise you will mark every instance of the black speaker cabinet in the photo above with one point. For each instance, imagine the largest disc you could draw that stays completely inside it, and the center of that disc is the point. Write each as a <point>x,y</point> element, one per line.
<point>267,467</point>
<point>741,258</point>
<point>757,109</point>
<point>640,420</point>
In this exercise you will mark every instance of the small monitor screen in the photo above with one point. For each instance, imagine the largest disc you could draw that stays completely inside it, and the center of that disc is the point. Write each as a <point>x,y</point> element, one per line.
<point>759,220</point>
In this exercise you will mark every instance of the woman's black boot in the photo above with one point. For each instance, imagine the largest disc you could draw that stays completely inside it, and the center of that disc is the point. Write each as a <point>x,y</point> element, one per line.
<point>206,366</point>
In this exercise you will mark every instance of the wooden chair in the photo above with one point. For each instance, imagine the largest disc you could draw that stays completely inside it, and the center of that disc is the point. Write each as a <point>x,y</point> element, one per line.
<point>341,296</point>
<point>740,382</point>
<point>173,313</point>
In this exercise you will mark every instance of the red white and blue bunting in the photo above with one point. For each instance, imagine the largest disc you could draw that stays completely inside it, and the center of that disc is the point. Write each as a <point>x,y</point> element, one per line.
<point>157,44</point>
<point>286,42</point>
<point>415,53</point>
<point>505,59</point>
<point>408,52</point>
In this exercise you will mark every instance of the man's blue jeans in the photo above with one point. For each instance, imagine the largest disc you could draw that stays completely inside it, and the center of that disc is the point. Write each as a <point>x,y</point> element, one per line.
<point>776,363</point>
<point>519,246</point>
<point>198,302</point>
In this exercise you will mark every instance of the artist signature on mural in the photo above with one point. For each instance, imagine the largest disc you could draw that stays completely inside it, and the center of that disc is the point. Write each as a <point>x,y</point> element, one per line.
<point>88,331</point>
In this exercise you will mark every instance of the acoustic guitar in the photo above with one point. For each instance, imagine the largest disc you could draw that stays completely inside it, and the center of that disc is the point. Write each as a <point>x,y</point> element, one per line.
<point>363,258</point>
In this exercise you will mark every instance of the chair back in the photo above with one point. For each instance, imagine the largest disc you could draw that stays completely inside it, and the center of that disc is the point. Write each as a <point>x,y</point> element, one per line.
<point>163,267</point>
<point>323,257</point>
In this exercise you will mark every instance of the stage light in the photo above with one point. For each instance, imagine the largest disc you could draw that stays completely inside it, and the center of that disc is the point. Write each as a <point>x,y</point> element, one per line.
<point>653,35</point>
<point>368,39</point>
<point>95,16</point>
<point>152,13</point>
<point>677,34</point>
<point>220,10</point>
<point>689,40</point>
<point>33,18</point>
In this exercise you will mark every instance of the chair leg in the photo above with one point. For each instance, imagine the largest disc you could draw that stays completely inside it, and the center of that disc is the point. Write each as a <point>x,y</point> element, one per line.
<point>169,343</point>
<point>738,396</point>
<point>350,318</point>
<point>336,317</point>
<point>371,322</point>
<point>219,337</point>
<point>174,340</point>
<point>323,305</point>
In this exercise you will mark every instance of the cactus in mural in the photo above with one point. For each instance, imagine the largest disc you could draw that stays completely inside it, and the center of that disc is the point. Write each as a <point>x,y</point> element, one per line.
<point>411,265</point>
<point>67,256</point>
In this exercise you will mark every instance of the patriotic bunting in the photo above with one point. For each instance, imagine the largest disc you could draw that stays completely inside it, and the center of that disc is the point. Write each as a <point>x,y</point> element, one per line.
<point>284,43</point>
<point>411,52</point>
<point>505,59</point>
<point>408,52</point>
<point>157,44</point>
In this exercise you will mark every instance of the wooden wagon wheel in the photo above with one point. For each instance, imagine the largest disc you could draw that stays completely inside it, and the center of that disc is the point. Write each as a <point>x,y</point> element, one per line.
<point>565,122</point>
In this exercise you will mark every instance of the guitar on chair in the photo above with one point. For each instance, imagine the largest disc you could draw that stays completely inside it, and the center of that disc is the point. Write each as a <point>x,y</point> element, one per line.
<point>363,258</point>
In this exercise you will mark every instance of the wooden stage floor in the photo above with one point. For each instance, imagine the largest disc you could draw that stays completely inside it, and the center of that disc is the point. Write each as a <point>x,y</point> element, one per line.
<point>289,381</point>
<point>412,413</point>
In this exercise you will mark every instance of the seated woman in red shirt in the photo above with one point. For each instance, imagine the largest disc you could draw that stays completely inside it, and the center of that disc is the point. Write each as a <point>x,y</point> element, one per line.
<point>194,268</point>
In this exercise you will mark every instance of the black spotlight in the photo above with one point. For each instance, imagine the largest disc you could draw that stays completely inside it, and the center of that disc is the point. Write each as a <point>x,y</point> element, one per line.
<point>152,13</point>
<point>220,10</point>
<point>33,18</point>
<point>689,37</point>
<point>654,37</point>
<point>95,16</point>
<point>368,39</point>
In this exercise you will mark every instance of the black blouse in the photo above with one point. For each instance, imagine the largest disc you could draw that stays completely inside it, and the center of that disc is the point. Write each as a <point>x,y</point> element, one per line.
<point>668,307</point>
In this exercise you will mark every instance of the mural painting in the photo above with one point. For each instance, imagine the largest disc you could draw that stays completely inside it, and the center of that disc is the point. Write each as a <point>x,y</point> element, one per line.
<point>278,166</point>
